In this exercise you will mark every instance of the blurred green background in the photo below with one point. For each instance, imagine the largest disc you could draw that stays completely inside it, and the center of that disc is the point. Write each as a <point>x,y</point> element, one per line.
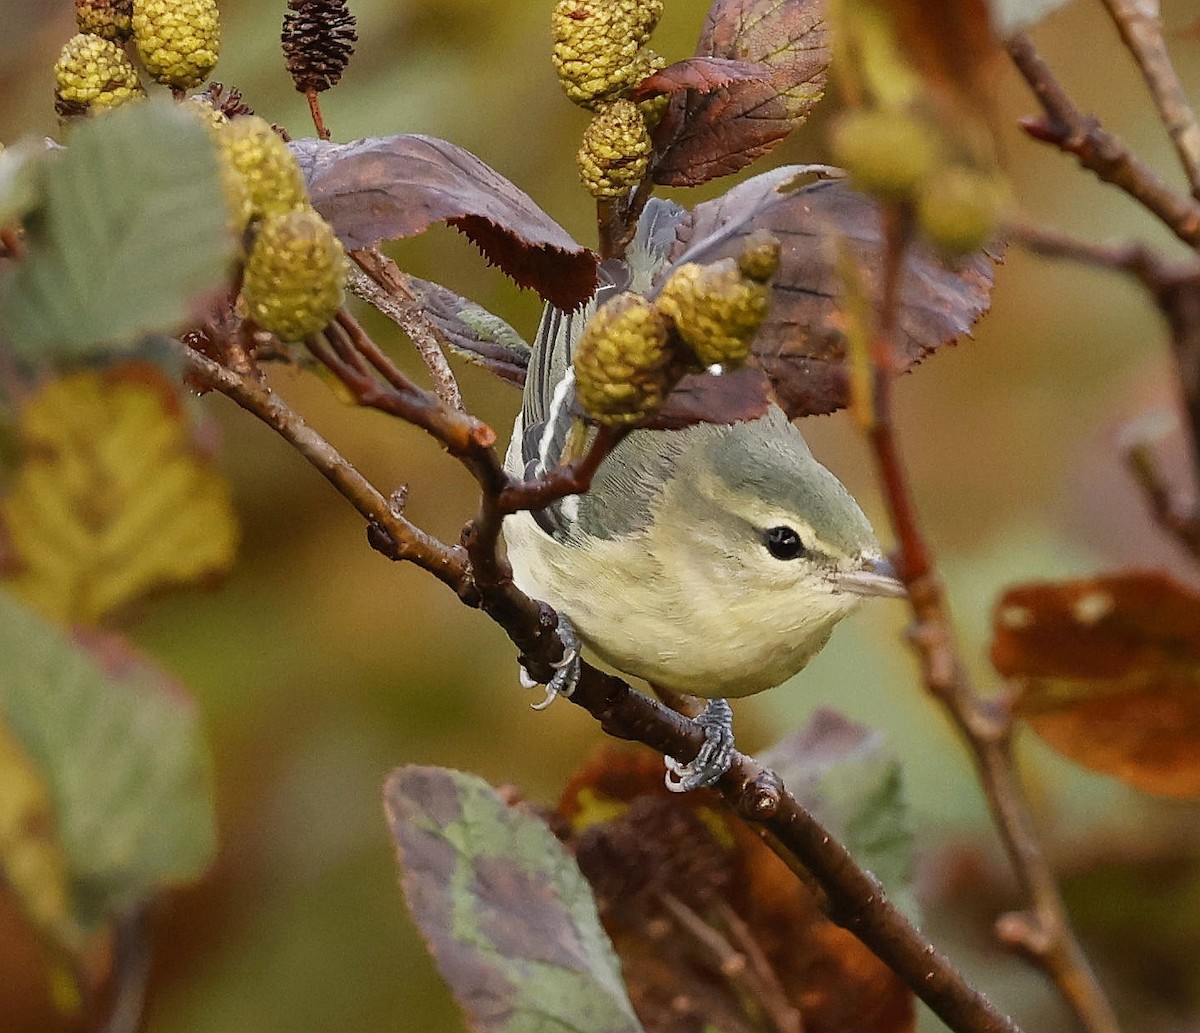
<point>319,666</point>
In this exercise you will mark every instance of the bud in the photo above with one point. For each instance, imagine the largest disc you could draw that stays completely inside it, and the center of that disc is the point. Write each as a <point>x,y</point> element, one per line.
<point>623,361</point>
<point>959,208</point>
<point>273,180</point>
<point>597,44</point>
<point>718,308</point>
<point>887,153</point>
<point>615,151</point>
<point>177,40</point>
<point>109,19</point>
<point>93,74</point>
<point>294,275</point>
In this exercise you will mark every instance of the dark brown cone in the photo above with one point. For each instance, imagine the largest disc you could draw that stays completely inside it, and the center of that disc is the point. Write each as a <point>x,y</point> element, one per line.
<point>318,40</point>
<point>225,99</point>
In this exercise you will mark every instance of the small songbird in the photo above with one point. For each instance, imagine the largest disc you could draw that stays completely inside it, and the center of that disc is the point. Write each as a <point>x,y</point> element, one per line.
<point>712,561</point>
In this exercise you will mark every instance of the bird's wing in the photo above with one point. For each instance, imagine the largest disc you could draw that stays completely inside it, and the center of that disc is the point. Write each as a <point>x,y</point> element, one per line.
<point>548,406</point>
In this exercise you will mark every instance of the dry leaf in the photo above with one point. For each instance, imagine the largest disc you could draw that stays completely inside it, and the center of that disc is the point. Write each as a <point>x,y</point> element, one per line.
<point>111,499</point>
<point>391,187</point>
<point>711,927</point>
<point>1108,671</point>
<point>801,345</point>
<point>705,135</point>
<point>702,74</point>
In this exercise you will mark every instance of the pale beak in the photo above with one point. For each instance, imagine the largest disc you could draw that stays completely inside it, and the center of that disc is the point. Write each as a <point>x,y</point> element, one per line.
<point>875,577</point>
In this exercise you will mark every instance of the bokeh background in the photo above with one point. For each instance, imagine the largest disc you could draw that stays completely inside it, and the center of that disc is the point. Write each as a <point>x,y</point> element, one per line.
<point>319,666</point>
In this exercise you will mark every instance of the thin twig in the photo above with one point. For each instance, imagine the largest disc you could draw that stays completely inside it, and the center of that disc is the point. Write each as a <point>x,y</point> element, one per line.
<point>380,281</point>
<point>762,986</point>
<point>314,108</point>
<point>1183,523</point>
<point>1098,150</point>
<point>1175,289</point>
<point>771,993</point>
<point>131,966</point>
<point>1140,25</point>
<point>1044,932</point>
<point>445,562</point>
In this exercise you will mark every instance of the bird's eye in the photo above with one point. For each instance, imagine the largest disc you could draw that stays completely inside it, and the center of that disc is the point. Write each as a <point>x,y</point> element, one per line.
<point>784,543</point>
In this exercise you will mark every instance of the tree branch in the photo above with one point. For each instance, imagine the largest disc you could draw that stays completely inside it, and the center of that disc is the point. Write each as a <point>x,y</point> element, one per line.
<point>380,282</point>
<point>1043,933</point>
<point>852,897</point>
<point>1140,25</point>
<point>445,562</point>
<point>1098,150</point>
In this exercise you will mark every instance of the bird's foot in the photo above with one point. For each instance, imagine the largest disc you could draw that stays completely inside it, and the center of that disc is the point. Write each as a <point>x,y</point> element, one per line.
<point>566,671</point>
<point>715,756</point>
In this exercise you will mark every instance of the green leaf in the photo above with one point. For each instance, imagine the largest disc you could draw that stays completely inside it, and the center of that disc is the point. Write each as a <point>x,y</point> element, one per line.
<point>848,777</point>
<point>121,750</point>
<point>132,227</point>
<point>507,914</point>
<point>19,184</point>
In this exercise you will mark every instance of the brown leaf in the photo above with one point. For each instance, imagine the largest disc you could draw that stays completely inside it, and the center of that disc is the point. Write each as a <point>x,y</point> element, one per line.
<point>706,135</point>
<point>702,74</point>
<point>712,929</point>
<point>744,394</point>
<point>387,188</point>
<point>801,346</point>
<point>1108,671</point>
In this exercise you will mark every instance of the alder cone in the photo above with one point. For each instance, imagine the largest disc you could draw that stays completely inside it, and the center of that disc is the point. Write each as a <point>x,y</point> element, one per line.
<point>318,42</point>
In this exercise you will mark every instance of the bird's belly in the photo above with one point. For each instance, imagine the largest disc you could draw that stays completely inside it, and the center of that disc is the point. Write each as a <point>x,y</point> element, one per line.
<point>665,630</point>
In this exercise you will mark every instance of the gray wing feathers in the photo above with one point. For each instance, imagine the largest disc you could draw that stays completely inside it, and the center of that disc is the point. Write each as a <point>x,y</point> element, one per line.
<point>548,405</point>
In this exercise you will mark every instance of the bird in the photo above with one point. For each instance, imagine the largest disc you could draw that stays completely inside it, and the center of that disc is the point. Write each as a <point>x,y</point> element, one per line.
<point>712,561</point>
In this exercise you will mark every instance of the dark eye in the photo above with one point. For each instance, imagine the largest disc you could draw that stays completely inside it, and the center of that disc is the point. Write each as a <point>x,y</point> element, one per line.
<point>784,543</point>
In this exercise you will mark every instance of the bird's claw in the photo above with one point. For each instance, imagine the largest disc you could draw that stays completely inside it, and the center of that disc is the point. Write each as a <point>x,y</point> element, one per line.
<point>566,670</point>
<point>715,756</point>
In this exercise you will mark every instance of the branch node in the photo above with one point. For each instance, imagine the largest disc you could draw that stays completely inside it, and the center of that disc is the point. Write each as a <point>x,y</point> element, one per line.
<point>761,796</point>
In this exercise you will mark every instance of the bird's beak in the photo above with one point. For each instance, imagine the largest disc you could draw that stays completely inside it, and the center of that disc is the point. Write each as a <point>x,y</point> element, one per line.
<point>875,577</point>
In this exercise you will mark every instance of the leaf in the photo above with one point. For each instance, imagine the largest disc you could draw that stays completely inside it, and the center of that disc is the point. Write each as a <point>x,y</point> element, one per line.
<point>20,181</point>
<point>675,875</point>
<point>32,861</point>
<point>132,229</point>
<point>1108,674</point>
<point>744,394</point>
<point>508,917</point>
<point>391,187</point>
<point>801,346</point>
<point>705,135</point>
<point>702,74</point>
<point>111,500</point>
<point>121,750</point>
<point>471,331</point>
<point>845,774</point>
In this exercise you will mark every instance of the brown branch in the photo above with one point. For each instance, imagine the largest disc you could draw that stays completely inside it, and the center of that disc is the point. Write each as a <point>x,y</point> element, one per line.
<point>380,281</point>
<point>1044,932</point>
<point>852,897</point>
<point>752,975</point>
<point>1096,149</point>
<point>445,562</point>
<point>1140,25</point>
<point>314,109</point>
<point>1183,523</point>
<point>1175,289</point>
